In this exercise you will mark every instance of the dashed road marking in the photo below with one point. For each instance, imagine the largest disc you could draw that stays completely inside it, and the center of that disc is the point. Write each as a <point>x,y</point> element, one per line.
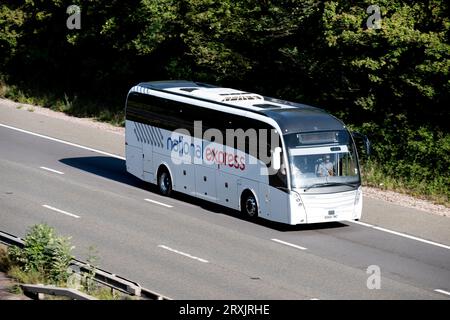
<point>160,203</point>
<point>442,291</point>
<point>60,211</point>
<point>183,253</point>
<point>52,170</point>
<point>289,244</point>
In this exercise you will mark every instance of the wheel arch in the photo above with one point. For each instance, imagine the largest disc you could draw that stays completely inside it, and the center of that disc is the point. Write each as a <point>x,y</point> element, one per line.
<point>164,166</point>
<point>245,191</point>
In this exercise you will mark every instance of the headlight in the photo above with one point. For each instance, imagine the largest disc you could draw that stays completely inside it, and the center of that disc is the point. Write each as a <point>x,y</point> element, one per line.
<point>297,198</point>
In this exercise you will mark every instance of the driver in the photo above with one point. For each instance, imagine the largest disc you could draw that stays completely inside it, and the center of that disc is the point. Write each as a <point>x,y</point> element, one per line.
<point>325,168</point>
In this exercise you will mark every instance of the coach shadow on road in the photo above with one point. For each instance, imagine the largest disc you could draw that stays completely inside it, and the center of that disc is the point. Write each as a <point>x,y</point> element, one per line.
<point>114,169</point>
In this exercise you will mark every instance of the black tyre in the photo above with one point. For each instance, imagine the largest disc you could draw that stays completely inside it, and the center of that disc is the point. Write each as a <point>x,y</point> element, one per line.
<point>164,182</point>
<point>249,206</point>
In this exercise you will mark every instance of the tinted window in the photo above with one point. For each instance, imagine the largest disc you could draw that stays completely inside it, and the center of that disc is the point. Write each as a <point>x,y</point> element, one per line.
<point>158,112</point>
<point>172,115</point>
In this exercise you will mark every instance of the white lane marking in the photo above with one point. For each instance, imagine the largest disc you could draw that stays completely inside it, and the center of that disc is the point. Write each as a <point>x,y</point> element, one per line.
<point>442,291</point>
<point>183,253</point>
<point>62,141</point>
<point>361,223</point>
<point>314,299</point>
<point>52,170</point>
<point>401,234</point>
<point>61,211</point>
<point>289,244</point>
<point>160,203</point>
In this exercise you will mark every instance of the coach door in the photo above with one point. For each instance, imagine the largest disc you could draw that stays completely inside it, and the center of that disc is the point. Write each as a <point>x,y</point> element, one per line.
<point>148,140</point>
<point>148,162</point>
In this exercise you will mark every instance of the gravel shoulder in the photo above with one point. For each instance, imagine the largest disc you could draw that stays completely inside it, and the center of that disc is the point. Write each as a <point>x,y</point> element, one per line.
<point>406,201</point>
<point>114,144</point>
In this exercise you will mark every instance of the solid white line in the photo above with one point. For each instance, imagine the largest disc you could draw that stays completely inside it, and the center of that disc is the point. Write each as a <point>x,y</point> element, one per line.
<point>62,141</point>
<point>402,234</point>
<point>442,291</point>
<point>60,211</point>
<point>52,170</point>
<point>183,254</point>
<point>160,203</point>
<point>289,244</point>
<point>361,223</point>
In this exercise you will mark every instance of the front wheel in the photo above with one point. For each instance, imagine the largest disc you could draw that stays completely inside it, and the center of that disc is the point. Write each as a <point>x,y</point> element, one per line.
<point>164,183</point>
<point>249,207</point>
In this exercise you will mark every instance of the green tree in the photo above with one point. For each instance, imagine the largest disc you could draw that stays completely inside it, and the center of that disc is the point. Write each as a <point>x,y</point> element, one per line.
<point>391,83</point>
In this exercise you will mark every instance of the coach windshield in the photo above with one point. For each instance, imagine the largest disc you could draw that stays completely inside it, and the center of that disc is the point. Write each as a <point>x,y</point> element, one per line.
<point>322,159</point>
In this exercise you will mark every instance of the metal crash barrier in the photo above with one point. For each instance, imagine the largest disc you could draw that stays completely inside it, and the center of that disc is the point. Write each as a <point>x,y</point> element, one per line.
<point>101,276</point>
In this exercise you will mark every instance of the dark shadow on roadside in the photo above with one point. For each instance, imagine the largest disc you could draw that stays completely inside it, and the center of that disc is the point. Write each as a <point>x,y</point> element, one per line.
<point>106,167</point>
<point>114,169</point>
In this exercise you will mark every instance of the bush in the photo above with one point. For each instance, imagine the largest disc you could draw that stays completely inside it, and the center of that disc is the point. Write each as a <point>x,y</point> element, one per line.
<point>5,262</point>
<point>409,159</point>
<point>43,252</point>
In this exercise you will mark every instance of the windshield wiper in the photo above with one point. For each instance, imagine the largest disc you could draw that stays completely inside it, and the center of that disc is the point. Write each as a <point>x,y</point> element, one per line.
<point>328,184</point>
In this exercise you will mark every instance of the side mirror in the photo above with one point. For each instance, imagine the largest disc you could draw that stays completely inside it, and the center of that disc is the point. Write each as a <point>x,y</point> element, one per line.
<point>276,158</point>
<point>365,140</point>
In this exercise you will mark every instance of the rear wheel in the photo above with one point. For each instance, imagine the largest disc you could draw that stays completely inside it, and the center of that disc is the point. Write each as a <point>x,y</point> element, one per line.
<point>249,206</point>
<point>164,182</point>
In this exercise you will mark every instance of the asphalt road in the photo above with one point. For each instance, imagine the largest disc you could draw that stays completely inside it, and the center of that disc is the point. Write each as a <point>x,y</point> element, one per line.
<point>189,249</point>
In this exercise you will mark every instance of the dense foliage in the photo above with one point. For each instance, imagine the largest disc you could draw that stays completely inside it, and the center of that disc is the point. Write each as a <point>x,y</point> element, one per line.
<point>391,83</point>
<point>43,252</point>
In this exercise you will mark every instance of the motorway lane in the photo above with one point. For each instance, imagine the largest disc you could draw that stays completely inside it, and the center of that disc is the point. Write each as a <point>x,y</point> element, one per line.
<point>243,261</point>
<point>87,133</point>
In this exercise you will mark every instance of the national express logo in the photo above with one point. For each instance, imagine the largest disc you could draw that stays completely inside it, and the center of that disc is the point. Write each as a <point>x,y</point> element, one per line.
<point>186,149</point>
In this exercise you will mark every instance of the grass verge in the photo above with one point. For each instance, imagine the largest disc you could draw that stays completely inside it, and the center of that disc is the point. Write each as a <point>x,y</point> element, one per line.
<point>435,191</point>
<point>85,107</point>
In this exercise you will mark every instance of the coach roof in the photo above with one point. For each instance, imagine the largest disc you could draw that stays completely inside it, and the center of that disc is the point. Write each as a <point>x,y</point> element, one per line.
<point>304,120</point>
<point>291,117</point>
